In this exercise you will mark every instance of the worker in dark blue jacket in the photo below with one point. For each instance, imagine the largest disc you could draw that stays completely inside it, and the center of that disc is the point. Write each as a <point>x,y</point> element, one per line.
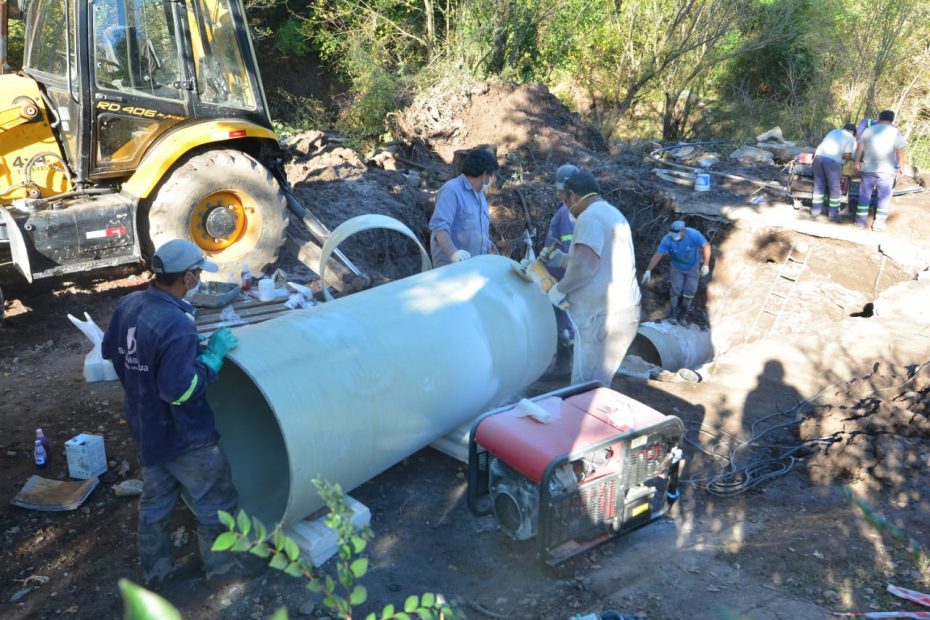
<point>165,369</point>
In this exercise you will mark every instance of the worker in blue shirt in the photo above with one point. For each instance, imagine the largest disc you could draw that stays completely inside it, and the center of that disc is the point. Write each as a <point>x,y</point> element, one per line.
<point>459,227</point>
<point>689,252</point>
<point>559,240</point>
<point>164,370</point>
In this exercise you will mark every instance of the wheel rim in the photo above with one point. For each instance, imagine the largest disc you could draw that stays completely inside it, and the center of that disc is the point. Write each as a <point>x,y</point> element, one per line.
<point>223,220</point>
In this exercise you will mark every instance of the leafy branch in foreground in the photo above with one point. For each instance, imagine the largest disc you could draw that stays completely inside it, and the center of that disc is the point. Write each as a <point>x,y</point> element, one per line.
<point>880,523</point>
<point>342,594</point>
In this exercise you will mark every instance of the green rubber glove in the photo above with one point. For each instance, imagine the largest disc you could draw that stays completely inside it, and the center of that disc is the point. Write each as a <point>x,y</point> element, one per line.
<point>221,342</point>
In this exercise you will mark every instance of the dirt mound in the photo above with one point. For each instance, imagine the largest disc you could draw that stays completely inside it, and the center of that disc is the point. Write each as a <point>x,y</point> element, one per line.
<point>333,183</point>
<point>882,440</point>
<point>525,122</point>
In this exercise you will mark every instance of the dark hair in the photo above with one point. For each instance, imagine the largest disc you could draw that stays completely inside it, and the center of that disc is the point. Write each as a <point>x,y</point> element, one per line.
<point>477,162</point>
<point>886,115</point>
<point>850,127</point>
<point>582,183</point>
<point>168,279</point>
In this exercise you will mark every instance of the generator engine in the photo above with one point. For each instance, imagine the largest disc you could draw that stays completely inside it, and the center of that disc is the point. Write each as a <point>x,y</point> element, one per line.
<point>603,466</point>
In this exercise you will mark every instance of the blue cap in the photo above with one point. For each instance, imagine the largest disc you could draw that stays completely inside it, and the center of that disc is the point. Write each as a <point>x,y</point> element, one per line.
<point>677,226</point>
<point>562,174</point>
<point>180,255</point>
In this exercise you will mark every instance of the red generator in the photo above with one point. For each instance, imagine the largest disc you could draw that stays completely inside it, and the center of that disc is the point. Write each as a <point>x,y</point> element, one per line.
<point>603,466</point>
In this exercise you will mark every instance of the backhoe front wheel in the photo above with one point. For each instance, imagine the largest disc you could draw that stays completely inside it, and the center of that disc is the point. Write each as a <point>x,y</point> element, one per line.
<point>228,204</point>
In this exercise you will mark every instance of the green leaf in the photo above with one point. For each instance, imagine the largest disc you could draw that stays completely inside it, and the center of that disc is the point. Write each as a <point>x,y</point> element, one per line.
<point>226,519</point>
<point>428,600</point>
<point>359,567</point>
<point>371,616</point>
<point>260,532</point>
<point>278,562</point>
<point>358,544</point>
<point>245,524</point>
<point>292,550</point>
<point>279,539</point>
<point>140,604</point>
<point>330,601</point>
<point>294,570</point>
<point>359,595</point>
<point>412,602</point>
<point>402,616</point>
<point>330,584</point>
<point>242,544</point>
<point>314,586</point>
<point>280,614</point>
<point>224,541</point>
<point>388,610</point>
<point>261,550</point>
<point>345,578</point>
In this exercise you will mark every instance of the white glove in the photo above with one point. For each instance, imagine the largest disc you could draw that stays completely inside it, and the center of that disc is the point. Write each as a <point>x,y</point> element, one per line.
<point>557,297</point>
<point>705,269</point>
<point>647,276</point>
<point>459,255</point>
<point>556,258</point>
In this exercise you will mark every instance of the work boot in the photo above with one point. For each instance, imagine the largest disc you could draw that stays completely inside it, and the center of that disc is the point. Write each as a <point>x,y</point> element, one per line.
<point>684,310</point>
<point>154,544</point>
<point>225,563</point>
<point>672,315</point>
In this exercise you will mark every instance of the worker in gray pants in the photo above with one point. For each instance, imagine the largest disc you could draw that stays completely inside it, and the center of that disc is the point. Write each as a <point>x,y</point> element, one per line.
<point>689,253</point>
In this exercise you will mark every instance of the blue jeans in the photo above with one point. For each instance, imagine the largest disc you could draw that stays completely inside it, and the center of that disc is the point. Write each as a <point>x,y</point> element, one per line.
<point>203,473</point>
<point>827,174</point>
<point>883,182</point>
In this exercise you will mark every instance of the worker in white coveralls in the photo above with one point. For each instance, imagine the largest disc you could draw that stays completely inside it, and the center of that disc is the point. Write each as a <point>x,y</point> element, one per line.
<point>689,253</point>
<point>599,288</point>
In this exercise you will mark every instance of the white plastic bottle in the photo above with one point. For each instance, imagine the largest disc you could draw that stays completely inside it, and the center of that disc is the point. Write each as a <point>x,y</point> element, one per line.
<point>40,455</point>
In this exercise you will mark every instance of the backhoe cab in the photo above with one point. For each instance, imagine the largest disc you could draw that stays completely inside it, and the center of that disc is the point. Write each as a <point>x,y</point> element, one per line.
<point>129,124</point>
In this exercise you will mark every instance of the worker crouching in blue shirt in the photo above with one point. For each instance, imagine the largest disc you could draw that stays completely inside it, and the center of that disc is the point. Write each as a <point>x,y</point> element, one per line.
<point>689,253</point>
<point>164,370</point>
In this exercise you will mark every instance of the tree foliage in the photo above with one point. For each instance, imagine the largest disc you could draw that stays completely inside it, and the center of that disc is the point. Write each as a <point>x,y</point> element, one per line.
<point>725,66</point>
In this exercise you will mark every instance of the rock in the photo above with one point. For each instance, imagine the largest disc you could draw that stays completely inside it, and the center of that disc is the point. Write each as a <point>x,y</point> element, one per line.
<point>306,609</point>
<point>831,595</point>
<point>128,488</point>
<point>772,135</point>
<point>752,156</point>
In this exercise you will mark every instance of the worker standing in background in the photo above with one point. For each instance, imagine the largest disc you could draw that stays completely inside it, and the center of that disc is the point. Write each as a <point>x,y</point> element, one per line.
<point>559,237</point>
<point>164,371</point>
<point>879,157</point>
<point>689,253</point>
<point>836,147</point>
<point>459,227</point>
<point>599,287</point>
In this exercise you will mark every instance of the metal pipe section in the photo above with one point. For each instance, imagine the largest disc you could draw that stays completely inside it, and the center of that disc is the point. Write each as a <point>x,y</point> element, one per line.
<point>346,389</point>
<point>671,346</point>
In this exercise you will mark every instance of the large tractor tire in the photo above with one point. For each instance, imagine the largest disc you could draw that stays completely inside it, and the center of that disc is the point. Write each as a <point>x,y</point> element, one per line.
<point>227,203</point>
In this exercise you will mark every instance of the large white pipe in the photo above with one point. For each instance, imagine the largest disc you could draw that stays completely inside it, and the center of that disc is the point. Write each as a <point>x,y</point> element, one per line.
<point>346,389</point>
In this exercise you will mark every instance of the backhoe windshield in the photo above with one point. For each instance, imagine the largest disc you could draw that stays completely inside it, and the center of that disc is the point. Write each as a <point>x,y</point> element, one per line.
<point>136,47</point>
<point>49,38</point>
<point>222,78</point>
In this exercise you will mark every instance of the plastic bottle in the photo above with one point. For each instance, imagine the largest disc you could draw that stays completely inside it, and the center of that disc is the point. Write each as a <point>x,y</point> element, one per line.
<point>40,436</point>
<point>246,278</point>
<point>40,455</point>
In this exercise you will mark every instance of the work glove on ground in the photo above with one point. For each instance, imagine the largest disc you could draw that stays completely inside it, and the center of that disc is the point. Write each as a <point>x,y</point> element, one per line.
<point>459,255</point>
<point>557,298</point>
<point>556,258</point>
<point>705,269</point>
<point>221,342</point>
<point>647,276</point>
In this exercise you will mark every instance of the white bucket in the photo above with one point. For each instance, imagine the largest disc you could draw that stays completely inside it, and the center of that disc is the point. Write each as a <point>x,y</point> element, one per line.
<point>701,182</point>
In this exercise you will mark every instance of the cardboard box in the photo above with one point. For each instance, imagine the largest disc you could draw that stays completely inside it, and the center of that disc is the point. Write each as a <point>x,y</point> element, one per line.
<point>86,455</point>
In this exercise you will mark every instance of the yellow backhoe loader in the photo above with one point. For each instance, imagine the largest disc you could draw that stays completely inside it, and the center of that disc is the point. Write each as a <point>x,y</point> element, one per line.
<point>132,123</point>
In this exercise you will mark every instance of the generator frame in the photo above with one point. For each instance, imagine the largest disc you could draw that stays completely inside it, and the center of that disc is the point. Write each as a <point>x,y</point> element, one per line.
<point>556,552</point>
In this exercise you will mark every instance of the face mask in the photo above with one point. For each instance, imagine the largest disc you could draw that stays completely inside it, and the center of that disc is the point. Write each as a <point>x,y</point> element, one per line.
<point>195,288</point>
<point>485,186</point>
<point>675,236</point>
